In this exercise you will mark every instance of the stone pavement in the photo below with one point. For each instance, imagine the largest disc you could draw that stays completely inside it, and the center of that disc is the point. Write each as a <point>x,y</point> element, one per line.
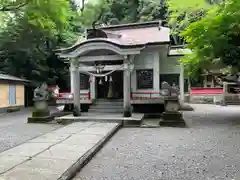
<point>55,154</point>
<point>15,130</point>
<point>208,150</point>
<point>102,116</point>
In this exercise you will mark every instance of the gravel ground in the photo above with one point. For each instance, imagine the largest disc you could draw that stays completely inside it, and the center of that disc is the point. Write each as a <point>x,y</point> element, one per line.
<point>14,129</point>
<point>208,149</point>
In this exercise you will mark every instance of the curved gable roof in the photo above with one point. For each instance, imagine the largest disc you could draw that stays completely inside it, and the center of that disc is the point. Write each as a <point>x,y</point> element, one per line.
<point>127,36</point>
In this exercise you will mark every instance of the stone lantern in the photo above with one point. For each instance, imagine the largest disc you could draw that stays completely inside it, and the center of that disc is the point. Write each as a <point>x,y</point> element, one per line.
<point>171,116</point>
<point>41,111</point>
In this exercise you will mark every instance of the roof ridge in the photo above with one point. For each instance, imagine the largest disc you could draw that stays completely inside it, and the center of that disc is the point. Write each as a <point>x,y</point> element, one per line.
<point>132,25</point>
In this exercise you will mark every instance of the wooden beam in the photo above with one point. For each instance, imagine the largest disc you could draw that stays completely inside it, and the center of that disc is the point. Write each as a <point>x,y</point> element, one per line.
<point>100,58</point>
<point>106,68</point>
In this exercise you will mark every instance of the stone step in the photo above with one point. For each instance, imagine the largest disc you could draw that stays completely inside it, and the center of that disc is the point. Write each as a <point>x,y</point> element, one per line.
<point>110,100</point>
<point>150,123</point>
<point>104,113</point>
<point>91,110</point>
<point>106,101</point>
<point>110,103</point>
<point>104,106</point>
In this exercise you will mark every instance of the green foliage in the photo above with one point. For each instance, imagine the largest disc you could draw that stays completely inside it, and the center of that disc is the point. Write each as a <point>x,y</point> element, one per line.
<point>31,29</point>
<point>183,13</point>
<point>39,13</point>
<point>153,10</point>
<point>29,36</point>
<point>215,38</point>
<point>110,12</point>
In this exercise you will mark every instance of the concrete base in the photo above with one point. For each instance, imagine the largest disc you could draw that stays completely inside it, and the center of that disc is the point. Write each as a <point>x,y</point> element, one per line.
<point>173,119</point>
<point>127,113</point>
<point>76,111</point>
<point>6,109</point>
<point>150,123</point>
<point>43,119</point>
<point>127,123</point>
<point>40,116</point>
<point>102,117</point>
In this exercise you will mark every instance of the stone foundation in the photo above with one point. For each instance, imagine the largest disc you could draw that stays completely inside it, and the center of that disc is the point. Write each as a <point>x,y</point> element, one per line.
<point>127,113</point>
<point>173,119</point>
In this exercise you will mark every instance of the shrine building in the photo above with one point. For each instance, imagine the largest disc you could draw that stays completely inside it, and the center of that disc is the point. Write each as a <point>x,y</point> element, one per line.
<point>126,62</point>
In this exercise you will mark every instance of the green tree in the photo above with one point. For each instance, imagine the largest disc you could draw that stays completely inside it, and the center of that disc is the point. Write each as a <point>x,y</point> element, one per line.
<point>30,33</point>
<point>215,38</point>
<point>32,29</point>
<point>110,12</point>
<point>185,12</point>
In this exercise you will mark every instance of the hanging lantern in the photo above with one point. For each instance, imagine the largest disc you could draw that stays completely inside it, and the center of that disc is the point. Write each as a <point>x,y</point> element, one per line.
<point>110,79</point>
<point>100,82</point>
<point>106,78</point>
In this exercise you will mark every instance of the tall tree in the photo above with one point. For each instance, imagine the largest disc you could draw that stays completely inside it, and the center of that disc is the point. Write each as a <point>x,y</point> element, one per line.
<point>215,38</point>
<point>32,29</point>
<point>29,35</point>
<point>109,12</point>
<point>185,12</point>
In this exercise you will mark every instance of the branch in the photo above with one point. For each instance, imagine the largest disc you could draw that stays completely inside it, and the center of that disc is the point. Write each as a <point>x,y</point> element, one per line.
<point>98,18</point>
<point>13,8</point>
<point>83,5</point>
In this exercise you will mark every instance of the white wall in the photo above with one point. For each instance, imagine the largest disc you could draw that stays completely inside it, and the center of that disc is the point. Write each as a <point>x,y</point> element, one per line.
<point>146,60</point>
<point>157,60</point>
<point>169,65</point>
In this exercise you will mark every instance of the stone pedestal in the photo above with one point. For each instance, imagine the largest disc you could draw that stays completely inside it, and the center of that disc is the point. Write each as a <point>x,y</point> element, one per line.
<point>172,116</point>
<point>40,112</point>
<point>173,119</point>
<point>127,112</point>
<point>76,111</point>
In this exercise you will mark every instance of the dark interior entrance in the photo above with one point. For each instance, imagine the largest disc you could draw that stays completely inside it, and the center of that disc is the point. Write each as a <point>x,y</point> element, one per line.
<point>104,87</point>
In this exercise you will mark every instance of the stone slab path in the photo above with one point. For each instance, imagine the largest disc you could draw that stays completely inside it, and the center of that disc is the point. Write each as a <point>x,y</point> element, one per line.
<point>103,117</point>
<point>15,130</point>
<point>49,156</point>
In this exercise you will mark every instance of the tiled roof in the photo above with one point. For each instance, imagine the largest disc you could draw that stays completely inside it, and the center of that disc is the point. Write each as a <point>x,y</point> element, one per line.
<point>11,78</point>
<point>145,35</point>
<point>130,35</point>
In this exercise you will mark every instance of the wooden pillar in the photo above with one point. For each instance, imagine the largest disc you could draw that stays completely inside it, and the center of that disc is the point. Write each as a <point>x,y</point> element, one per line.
<point>76,87</point>
<point>127,88</point>
<point>224,94</point>
<point>71,77</point>
<point>212,82</point>
<point>92,87</point>
<point>205,81</point>
<point>156,72</point>
<point>181,82</point>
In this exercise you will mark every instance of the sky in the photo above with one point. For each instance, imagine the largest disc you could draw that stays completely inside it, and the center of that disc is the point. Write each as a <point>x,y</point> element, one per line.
<point>79,2</point>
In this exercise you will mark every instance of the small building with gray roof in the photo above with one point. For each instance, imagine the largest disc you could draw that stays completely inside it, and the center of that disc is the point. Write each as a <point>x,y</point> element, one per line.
<point>12,92</point>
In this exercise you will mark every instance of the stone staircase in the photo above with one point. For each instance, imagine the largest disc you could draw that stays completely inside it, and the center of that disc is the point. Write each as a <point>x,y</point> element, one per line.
<point>105,106</point>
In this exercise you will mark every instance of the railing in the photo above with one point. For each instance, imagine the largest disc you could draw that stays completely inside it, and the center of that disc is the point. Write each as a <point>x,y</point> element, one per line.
<point>146,95</point>
<point>206,91</point>
<point>68,95</point>
<point>206,95</point>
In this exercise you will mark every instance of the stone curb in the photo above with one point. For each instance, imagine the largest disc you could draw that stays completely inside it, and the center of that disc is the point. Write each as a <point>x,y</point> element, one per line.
<point>82,161</point>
